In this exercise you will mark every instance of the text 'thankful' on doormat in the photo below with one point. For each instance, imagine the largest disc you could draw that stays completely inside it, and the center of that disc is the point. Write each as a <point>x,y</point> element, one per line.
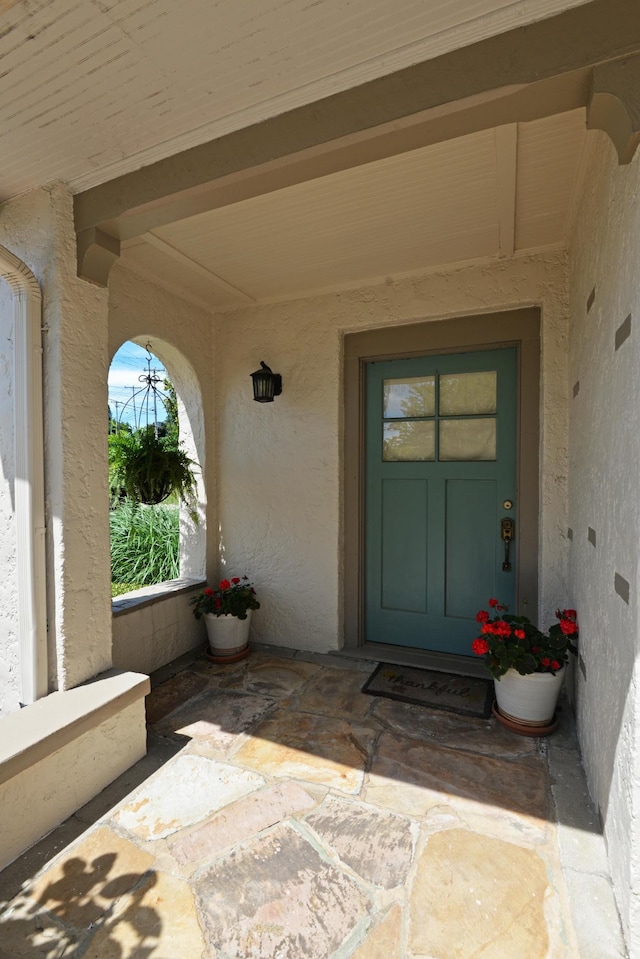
<point>425,687</point>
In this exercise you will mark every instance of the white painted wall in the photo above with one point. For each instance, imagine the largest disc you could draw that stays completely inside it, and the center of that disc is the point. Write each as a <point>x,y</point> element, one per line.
<point>9,651</point>
<point>604,495</point>
<point>38,228</point>
<point>279,464</point>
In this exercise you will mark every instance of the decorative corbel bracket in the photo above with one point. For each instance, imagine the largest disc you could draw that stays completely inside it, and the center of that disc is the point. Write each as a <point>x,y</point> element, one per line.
<point>97,252</point>
<point>614,104</point>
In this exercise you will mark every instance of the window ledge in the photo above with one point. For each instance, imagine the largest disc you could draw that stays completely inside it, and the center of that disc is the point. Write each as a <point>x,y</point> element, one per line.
<point>149,595</point>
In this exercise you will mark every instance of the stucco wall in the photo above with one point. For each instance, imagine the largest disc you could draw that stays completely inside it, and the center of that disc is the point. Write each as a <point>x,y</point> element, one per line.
<point>604,498</point>
<point>146,637</point>
<point>279,464</point>
<point>38,228</point>
<point>9,653</point>
<point>45,794</point>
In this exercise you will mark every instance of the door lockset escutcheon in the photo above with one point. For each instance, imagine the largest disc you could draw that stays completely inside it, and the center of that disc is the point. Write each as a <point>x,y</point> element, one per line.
<point>506,532</point>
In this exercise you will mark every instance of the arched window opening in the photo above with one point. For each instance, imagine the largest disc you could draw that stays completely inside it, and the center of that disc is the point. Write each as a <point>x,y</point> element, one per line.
<point>155,470</point>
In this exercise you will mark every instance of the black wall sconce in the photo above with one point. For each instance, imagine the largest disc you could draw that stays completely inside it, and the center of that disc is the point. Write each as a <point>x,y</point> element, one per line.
<point>266,384</point>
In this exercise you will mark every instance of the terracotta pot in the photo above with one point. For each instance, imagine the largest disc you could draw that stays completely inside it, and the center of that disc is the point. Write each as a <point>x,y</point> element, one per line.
<point>228,635</point>
<point>530,700</point>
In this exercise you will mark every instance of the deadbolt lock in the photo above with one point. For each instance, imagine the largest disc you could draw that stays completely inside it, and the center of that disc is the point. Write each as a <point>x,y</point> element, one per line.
<point>508,504</point>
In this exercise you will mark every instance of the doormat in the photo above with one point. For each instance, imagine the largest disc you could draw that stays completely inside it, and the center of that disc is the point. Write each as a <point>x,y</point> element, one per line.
<point>425,687</point>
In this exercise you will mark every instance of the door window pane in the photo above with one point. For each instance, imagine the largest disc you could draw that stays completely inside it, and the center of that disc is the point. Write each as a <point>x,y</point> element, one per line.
<point>409,441</point>
<point>414,396</point>
<point>468,439</point>
<point>468,393</point>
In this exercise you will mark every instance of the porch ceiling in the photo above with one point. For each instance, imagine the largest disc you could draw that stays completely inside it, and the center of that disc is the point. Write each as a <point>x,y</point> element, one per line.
<point>93,89</point>
<point>500,191</point>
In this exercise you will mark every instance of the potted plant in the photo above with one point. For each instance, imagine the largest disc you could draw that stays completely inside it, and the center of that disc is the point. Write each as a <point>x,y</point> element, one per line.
<point>149,468</point>
<point>227,615</point>
<point>527,665</point>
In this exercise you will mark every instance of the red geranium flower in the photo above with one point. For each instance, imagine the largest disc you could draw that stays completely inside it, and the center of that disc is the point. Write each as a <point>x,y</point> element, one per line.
<point>235,580</point>
<point>208,591</point>
<point>218,602</point>
<point>514,642</point>
<point>225,584</point>
<point>480,647</point>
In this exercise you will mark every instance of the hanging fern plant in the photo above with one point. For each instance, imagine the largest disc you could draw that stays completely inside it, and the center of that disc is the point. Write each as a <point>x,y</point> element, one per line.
<point>148,469</point>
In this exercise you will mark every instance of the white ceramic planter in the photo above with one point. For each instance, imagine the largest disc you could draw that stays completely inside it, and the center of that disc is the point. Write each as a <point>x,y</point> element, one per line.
<point>530,700</point>
<point>228,635</point>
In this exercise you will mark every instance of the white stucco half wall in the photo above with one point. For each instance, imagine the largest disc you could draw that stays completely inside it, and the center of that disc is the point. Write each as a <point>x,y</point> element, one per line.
<point>279,465</point>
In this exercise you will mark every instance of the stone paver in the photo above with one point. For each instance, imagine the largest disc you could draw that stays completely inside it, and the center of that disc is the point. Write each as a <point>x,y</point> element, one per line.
<point>480,903</point>
<point>156,921</point>
<point>184,792</point>
<point>80,888</point>
<point>283,814</point>
<point>172,694</point>
<point>216,717</point>
<point>241,820</point>
<point>412,777</point>
<point>384,941</point>
<point>335,692</point>
<point>378,846</point>
<point>457,732</point>
<point>279,897</point>
<point>318,749</point>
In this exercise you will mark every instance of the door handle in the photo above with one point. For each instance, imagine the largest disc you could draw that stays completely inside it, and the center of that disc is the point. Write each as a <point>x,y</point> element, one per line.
<point>506,532</point>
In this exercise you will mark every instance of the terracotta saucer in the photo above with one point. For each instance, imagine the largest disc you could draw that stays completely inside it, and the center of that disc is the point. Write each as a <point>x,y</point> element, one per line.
<point>520,728</point>
<point>222,660</point>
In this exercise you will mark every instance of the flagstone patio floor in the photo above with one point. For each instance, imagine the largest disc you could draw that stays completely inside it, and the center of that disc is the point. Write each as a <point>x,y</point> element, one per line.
<point>282,814</point>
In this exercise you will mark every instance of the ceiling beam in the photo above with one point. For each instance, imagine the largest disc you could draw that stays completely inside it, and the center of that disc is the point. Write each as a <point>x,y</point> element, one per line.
<point>523,74</point>
<point>614,104</point>
<point>506,169</point>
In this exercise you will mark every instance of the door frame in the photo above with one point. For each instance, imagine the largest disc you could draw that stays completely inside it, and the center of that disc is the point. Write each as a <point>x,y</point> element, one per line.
<point>488,331</point>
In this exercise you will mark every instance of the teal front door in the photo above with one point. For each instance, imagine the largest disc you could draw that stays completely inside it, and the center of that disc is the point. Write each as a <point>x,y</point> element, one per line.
<point>440,480</point>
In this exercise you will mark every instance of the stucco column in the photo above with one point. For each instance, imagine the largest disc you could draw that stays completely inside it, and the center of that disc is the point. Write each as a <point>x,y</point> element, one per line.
<point>38,227</point>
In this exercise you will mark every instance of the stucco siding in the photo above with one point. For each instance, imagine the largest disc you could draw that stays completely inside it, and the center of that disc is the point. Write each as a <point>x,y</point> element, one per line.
<point>280,464</point>
<point>605,504</point>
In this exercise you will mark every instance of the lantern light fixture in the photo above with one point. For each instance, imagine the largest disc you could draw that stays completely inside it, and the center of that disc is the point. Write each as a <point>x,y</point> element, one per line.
<point>266,384</point>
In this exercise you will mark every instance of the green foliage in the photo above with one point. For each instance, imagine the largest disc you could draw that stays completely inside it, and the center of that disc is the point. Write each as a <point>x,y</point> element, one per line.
<point>145,544</point>
<point>117,589</point>
<point>170,428</point>
<point>148,469</point>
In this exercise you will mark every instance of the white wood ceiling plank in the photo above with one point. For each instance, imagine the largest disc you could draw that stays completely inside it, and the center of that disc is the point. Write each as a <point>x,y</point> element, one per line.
<point>214,68</point>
